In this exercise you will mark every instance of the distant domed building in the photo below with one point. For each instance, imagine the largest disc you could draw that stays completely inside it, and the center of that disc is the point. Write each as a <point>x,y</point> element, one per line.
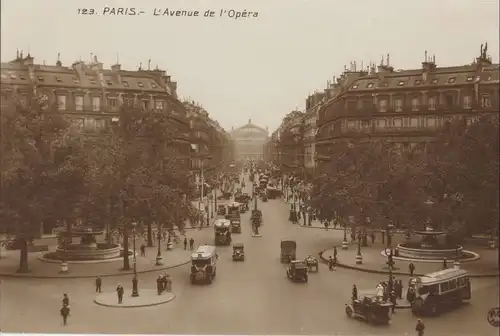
<point>249,141</point>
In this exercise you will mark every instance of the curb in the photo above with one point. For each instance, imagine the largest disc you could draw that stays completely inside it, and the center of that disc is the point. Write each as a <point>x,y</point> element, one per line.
<point>109,275</point>
<point>136,306</point>
<point>367,270</point>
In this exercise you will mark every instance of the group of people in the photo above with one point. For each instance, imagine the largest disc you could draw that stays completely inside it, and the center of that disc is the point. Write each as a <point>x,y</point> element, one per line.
<point>164,283</point>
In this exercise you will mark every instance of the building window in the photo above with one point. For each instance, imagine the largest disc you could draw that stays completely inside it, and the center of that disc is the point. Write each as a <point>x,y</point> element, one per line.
<point>354,86</point>
<point>449,100</point>
<point>467,103</point>
<point>398,105</point>
<point>92,80</point>
<point>470,78</point>
<point>89,124</point>
<point>79,103</point>
<point>75,80</point>
<point>78,123</point>
<point>128,102</point>
<point>351,124</point>
<point>100,124</point>
<point>413,122</point>
<point>154,86</point>
<point>401,83</point>
<point>145,104</point>
<point>451,80</point>
<point>110,83</point>
<point>113,102</point>
<point>418,82</point>
<point>22,77</point>
<point>61,102</point>
<point>431,122</point>
<point>381,123</point>
<point>58,79</point>
<point>40,78</point>
<point>125,83</point>
<point>382,105</point>
<point>96,104</point>
<point>140,84</point>
<point>435,81</point>
<point>384,84</point>
<point>397,122</point>
<point>432,103</point>
<point>415,104</point>
<point>159,104</point>
<point>485,101</point>
<point>370,85</point>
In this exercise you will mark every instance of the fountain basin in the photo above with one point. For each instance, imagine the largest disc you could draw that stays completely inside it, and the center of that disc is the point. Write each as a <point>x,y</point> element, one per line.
<point>431,253</point>
<point>88,252</point>
<point>54,257</point>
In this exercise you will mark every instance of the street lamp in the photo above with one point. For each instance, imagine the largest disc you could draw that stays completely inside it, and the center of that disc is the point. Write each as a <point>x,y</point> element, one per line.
<point>159,258</point>
<point>135,284</point>
<point>345,244</point>
<point>389,234</point>
<point>359,257</point>
<point>390,264</point>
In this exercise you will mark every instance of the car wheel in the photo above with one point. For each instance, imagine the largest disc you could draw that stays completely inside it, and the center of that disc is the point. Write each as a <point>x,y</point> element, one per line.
<point>348,311</point>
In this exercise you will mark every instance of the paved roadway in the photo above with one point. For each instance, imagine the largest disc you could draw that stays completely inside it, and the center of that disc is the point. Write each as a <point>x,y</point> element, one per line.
<point>250,297</point>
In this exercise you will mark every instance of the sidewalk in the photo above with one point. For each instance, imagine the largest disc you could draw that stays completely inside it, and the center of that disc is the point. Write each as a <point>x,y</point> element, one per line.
<point>374,262</point>
<point>39,269</point>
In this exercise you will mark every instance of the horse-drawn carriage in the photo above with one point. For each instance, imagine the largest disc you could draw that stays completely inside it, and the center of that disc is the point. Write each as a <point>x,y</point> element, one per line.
<point>312,263</point>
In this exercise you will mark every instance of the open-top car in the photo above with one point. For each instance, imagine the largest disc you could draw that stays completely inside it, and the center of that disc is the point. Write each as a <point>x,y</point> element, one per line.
<point>370,308</point>
<point>297,271</point>
<point>238,252</point>
<point>312,263</point>
<point>221,210</point>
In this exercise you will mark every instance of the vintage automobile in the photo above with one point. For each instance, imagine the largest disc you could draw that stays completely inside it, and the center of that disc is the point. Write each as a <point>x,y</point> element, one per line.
<point>222,234</point>
<point>221,210</point>
<point>297,271</point>
<point>235,225</point>
<point>204,264</point>
<point>238,252</point>
<point>371,309</point>
<point>288,251</point>
<point>312,263</point>
<point>264,196</point>
<point>273,192</point>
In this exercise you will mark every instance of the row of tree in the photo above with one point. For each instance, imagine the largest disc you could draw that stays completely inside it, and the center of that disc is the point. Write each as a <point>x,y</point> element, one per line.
<point>53,173</point>
<point>451,182</point>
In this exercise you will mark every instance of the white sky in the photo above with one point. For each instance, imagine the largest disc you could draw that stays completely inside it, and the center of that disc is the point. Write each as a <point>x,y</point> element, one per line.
<point>253,68</point>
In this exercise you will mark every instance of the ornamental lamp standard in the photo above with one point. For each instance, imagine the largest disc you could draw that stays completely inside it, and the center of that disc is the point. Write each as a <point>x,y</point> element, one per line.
<point>345,243</point>
<point>390,226</point>
<point>359,256</point>
<point>390,265</point>
<point>135,281</point>
<point>159,258</point>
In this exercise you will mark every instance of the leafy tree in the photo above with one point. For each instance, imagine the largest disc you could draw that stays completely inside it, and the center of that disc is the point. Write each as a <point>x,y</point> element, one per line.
<point>42,170</point>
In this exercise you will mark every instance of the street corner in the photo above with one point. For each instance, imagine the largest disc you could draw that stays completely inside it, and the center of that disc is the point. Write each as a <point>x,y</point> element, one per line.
<point>146,298</point>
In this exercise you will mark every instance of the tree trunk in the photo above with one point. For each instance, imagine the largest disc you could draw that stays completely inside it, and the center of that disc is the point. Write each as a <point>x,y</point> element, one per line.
<point>150,232</point>
<point>126,261</point>
<point>23,257</point>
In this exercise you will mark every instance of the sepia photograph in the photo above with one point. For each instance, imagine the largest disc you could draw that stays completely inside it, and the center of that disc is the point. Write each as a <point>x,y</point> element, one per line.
<point>250,167</point>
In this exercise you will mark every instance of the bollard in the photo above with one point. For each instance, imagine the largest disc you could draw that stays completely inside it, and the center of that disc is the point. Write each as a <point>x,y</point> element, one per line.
<point>456,264</point>
<point>345,245</point>
<point>359,259</point>
<point>170,245</point>
<point>64,267</point>
<point>159,260</point>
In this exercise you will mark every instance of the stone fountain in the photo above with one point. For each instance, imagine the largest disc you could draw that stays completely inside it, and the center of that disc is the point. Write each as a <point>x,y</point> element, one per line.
<point>429,247</point>
<point>88,249</point>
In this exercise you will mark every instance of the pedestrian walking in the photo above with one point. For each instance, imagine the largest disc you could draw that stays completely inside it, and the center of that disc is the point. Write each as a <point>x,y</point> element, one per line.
<point>191,244</point>
<point>335,223</point>
<point>98,284</point>
<point>380,291</point>
<point>412,269</point>
<point>65,300</point>
<point>185,243</point>
<point>445,263</point>
<point>354,292</point>
<point>143,250</point>
<point>331,264</point>
<point>335,253</point>
<point>420,327</point>
<point>372,236</point>
<point>353,236</point>
<point>393,301</point>
<point>119,293</point>
<point>65,313</point>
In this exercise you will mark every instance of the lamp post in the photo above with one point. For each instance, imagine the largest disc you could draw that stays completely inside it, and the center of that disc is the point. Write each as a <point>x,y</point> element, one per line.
<point>215,196</point>
<point>135,281</point>
<point>359,257</point>
<point>389,234</point>
<point>390,264</point>
<point>159,258</point>
<point>345,244</point>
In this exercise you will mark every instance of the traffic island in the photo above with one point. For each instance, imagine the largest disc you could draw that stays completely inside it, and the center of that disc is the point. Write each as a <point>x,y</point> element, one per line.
<point>146,298</point>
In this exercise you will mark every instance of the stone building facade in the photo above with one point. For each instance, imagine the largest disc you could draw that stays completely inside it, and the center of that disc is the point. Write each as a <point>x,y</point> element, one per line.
<point>249,142</point>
